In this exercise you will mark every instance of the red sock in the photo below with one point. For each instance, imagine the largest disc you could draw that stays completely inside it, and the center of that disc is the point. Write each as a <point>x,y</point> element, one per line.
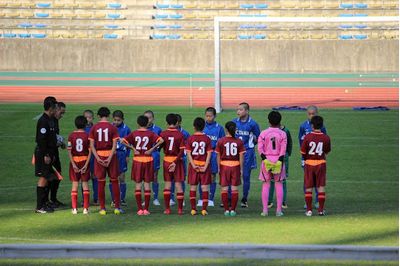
<point>205,200</point>
<point>235,197</point>
<point>167,198</point>
<point>86,199</point>
<point>102,194</point>
<point>74,199</point>
<point>308,198</point>
<point>193,199</point>
<point>321,201</point>
<point>224,198</point>
<point>138,196</point>
<point>116,193</point>
<point>180,196</point>
<point>147,195</point>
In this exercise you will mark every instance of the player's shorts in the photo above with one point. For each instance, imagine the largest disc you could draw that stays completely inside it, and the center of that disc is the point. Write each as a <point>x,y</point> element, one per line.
<point>123,165</point>
<point>202,178</point>
<point>142,172</point>
<point>156,160</point>
<point>315,176</point>
<point>229,176</point>
<point>76,177</point>
<point>214,163</point>
<point>268,176</point>
<point>177,176</point>
<point>112,170</point>
<point>249,162</point>
<point>42,169</point>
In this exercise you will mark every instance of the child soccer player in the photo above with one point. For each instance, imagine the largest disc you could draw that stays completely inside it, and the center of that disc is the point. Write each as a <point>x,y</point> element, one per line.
<point>230,153</point>
<point>79,155</point>
<point>174,146</point>
<point>314,149</point>
<point>89,115</point>
<point>214,131</point>
<point>156,155</point>
<point>122,154</point>
<point>286,161</point>
<point>103,142</point>
<point>248,131</point>
<point>143,142</point>
<point>272,144</point>
<point>198,150</point>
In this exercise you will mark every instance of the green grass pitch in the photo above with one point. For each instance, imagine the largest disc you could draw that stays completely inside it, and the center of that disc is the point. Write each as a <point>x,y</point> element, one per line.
<point>362,190</point>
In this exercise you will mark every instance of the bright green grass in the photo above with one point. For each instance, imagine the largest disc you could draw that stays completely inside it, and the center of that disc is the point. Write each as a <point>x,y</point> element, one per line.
<point>362,192</point>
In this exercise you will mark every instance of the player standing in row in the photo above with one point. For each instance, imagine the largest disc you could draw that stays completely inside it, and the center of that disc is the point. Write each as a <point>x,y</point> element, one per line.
<point>143,142</point>
<point>272,144</point>
<point>174,146</point>
<point>214,131</point>
<point>122,154</point>
<point>103,142</point>
<point>230,155</point>
<point>248,131</point>
<point>79,154</point>
<point>156,156</point>
<point>314,149</point>
<point>198,149</point>
<point>89,115</point>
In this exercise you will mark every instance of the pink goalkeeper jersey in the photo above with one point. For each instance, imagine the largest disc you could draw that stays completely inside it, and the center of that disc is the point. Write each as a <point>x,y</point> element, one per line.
<point>272,143</point>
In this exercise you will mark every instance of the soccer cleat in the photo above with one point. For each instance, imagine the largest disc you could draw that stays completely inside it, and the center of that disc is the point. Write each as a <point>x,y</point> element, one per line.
<point>85,211</point>
<point>171,202</point>
<point>265,214</point>
<point>156,202</point>
<point>199,203</point>
<point>270,205</point>
<point>112,204</point>
<point>210,203</point>
<point>140,212</point>
<point>41,210</point>
<point>323,213</point>
<point>123,203</point>
<point>284,205</point>
<point>167,212</point>
<point>279,214</point>
<point>102,212</point>
<point>180,212</point>
<point>74,211</point>
<point>204,212</point>
<point>308,213</point>
<point>193,212</point>
<point>227,213</point>
<point>146,212</point>
<point>233,213</point>
<point>118,211</point>
<point>244,203</point>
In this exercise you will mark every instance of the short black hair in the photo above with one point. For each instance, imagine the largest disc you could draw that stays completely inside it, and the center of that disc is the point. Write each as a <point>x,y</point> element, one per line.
<point>103,112</point>
<point>212,110</point>
<point>231,127</point>
<point>88,111</point>
<point>179,117</point>
<point>171,119</point>
<point>274,118</point>
<point>118,113</point>
<point>149,112</point>
<point>317,122</point>
<point>49,102</point>
<point>199,123</point>
<point>142,121</point>
<point>245,105</point>
<point>80,122</point>
<point>61,105</point>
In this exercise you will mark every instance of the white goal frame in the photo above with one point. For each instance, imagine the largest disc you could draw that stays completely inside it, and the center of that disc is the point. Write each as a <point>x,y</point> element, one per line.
<point>217,42</point>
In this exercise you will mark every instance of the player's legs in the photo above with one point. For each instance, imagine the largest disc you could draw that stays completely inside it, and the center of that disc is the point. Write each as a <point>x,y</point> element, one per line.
<point>147,196</point>
<point>86,195</point>
<point>205,194</point>
<point>138,197</point>
<point>113,173</point>
<point>321,183</point>
<point>279,196</point>
<point>224,198</point>
<point>155,185</point>
<point>214,172</point>
<point>122,188</point>
<point>167,196</point>
<point>234,200</point>
<point>309,185</point>
<point>248,163</point>
<point>321,200</point>
<point>200,202</point>
<point>74,196</point>
<point>264,196</point>
<point>193,198</point>
<point>271,194</point>
<point>284,203</point>
<point>180,196</point>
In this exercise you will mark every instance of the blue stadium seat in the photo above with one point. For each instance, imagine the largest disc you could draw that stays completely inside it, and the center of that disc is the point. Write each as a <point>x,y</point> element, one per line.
<point>39,35</point>
<point>244,37</point>
<point>175,27</point>
<point>174,36</point>
<point>162,6</point>
<point>259,36</point>
<point>114,5</point>
<point>111,26</point>
<point>159,26</point>
<point>9,35</point>
<point>346,5</point>
<point>246,26</point>
<point>160,16</point>
<point>175,16</point>
<point>345,15</point>
<point>0,35</point>
<point>360,36</point>
<point>43,5</point>
<point>110,36</point>
<point>260,26</point>
<point>177,6</point>
<point>346,37</point>
<point>113,16</point>
<point>345,26</point>
<point>361,15</point>
<point>361,5</point>
<point>41,15</point>
<point>260,15</point>
<point>246,15</point>
<point>261,6</point>
<point>246,6</point>
<point>361,26</point>
<point>25,25</point>
<point>24,35</point>
<point>158,36</point>
<point>40,25</point>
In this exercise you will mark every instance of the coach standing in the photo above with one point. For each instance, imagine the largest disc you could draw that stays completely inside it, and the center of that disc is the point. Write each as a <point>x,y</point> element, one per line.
<point>45,152</point>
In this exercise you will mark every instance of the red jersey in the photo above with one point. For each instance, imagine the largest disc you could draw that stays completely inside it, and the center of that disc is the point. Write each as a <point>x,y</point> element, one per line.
<point>315,146</point>
<point>199,144</point>
<point>142,140</point>
<point>78,143</point>
<point>230,148</point>
<point>173,142</point>
<point>103,133</point>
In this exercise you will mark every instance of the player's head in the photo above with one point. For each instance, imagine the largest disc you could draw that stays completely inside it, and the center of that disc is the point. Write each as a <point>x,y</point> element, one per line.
<point>118,117</point>
<point>274,118</point>
<point>243,110</point>
<point>150,115</point>
<point>103,112</point>
<point>199,124</point>
<point>80,122</point>
<point>49,105</point>
<point>230,128</point>
<point>317,122</point>
<point>89,115</point>
<point>179,117</point>
<point>171,119</point>
<point>142,121</point>
<point>312,110</point>
<point>60,110</point>
<point>210,114</point>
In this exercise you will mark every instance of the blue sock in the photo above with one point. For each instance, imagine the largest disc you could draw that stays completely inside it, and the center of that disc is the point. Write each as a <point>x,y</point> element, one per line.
<point>316,195</point>
<point>154,186</point>
<point>172,195</point>
<point>246,186</point>
<point>183,186</point>
<point>213,187</point>
<point>122,188</point>
<point>111,192</point>
<point>229,193</point>
<point>95,189</point>
<point>200,192</point>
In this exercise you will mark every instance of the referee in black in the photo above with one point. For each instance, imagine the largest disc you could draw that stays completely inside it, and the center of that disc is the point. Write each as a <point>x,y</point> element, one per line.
<point>45,152</point>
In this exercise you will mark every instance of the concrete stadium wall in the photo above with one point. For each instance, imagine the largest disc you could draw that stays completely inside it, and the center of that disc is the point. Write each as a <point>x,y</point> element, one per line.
<point>197,56</point>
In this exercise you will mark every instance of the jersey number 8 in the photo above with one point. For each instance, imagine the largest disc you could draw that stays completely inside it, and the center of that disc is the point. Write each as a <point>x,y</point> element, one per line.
<point>79,145</point>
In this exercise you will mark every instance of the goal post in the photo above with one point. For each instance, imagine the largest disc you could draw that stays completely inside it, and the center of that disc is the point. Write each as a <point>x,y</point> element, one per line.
<point>217,42</point>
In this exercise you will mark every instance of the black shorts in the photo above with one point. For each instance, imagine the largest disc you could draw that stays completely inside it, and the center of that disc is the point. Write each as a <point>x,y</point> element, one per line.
<point>42,169</point>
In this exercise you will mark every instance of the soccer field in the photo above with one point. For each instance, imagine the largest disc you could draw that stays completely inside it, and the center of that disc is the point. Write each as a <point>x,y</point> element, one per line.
<point>362,190</point>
